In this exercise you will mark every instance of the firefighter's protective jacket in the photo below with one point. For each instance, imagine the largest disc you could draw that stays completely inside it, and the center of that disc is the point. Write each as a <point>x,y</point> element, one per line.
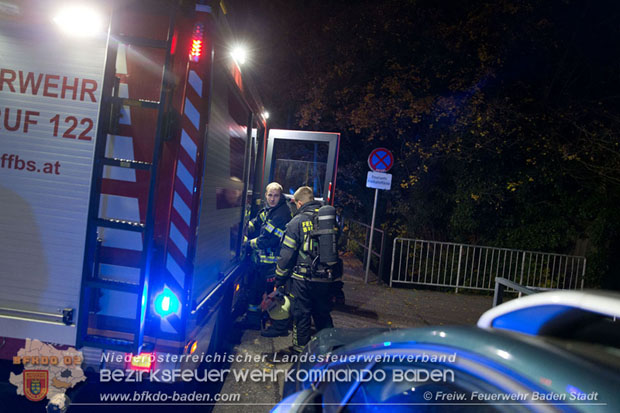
<point>266,231</point>
<point>295,257</point>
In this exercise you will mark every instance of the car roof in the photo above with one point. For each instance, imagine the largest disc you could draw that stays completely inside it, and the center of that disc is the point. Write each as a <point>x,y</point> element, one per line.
<point>541,313</point>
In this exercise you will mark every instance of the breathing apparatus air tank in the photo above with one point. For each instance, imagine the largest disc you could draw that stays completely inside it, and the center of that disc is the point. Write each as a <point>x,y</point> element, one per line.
<point>328,252</point>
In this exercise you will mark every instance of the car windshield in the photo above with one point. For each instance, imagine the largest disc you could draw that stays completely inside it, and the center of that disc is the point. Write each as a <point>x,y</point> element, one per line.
<point>405,386</point>
<point>604,356</point>
<point>596,338</point>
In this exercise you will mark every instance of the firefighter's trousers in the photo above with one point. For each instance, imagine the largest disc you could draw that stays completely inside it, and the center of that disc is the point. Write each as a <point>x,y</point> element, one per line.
<point>311,299</point>
<point>257,284</point>
<point>262,281</point>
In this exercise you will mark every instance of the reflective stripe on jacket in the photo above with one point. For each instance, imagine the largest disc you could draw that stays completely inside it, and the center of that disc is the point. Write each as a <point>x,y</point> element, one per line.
<point>297,244</point>
<point>266,231</point>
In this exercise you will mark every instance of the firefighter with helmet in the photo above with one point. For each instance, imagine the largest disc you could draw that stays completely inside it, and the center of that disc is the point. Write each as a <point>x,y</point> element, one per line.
<point>265,233</point>
<point>309,258</point>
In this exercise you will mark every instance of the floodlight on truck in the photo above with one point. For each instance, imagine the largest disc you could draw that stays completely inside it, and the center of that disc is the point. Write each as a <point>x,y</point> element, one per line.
<point>239,54</point>
<point>79,20</point>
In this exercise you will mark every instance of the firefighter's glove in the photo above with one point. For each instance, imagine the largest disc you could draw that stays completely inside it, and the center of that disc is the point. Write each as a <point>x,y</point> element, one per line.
<point>280,283</point>
<point>246,251</point>
<point>270,301</point>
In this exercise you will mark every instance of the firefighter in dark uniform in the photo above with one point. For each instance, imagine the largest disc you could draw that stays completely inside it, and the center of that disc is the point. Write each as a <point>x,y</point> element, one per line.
<point>265,233</point>
<point>310,287</point>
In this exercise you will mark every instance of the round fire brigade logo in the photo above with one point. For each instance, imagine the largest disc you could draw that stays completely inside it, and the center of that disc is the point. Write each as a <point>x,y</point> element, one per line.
<point>36,384</point>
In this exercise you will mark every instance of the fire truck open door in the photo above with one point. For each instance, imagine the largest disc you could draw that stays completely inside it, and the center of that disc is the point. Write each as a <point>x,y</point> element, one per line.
<point>298,158</point>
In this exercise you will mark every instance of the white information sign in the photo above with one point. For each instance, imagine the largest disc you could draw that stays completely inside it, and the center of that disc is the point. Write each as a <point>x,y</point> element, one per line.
<point>50,94</point>
<point>379,180</point>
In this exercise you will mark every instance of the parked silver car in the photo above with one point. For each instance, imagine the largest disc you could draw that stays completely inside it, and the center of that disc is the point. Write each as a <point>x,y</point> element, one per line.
<point>554,351</point>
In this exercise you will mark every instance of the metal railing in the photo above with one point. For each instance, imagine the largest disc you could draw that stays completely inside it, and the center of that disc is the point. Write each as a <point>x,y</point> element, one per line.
<point>501,284</point>
<point>359,234</point>
<point>446,264</point>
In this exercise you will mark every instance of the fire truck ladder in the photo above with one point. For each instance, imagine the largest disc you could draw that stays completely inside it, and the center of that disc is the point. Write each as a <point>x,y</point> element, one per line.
<point>130,336</point>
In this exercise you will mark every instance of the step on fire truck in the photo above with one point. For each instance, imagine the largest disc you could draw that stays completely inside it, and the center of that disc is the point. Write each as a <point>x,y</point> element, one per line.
<point>133,150</point>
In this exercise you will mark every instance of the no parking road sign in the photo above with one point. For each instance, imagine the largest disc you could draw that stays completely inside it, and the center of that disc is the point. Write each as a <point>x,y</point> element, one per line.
<point>380,160</point>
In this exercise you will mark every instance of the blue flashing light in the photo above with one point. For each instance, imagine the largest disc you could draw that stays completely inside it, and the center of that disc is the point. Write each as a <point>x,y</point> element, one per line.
<point>166,303</point>
<point>387,343</point>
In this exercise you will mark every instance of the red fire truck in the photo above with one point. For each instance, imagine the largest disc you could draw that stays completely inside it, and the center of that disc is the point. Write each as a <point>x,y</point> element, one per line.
<point>133,150</point>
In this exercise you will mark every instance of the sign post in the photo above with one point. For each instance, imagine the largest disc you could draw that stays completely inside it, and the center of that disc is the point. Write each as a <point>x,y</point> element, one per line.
<point>380,161</point>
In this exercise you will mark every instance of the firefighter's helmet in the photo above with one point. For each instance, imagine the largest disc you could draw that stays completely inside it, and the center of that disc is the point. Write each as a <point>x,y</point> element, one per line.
<point>281,310</point>
<point>277,305</point>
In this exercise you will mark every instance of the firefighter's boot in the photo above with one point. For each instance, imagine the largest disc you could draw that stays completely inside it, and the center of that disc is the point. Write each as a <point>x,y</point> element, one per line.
<point>278,328</point>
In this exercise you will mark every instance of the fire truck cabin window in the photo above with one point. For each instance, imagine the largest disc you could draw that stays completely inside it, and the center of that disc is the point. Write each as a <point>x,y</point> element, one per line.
<point>300,163</point>
<point>230,195</point>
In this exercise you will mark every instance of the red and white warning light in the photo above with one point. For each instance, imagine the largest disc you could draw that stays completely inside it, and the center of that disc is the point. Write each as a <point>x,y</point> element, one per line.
<point>197,42</point>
